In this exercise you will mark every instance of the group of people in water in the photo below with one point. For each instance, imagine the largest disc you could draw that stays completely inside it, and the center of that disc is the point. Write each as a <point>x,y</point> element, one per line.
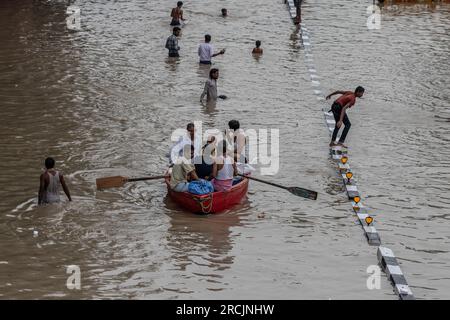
<point>206,51</point>
<point>217,165</point>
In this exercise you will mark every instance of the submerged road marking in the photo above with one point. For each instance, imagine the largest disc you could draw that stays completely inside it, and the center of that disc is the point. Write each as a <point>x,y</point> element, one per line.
<point>385,255</point>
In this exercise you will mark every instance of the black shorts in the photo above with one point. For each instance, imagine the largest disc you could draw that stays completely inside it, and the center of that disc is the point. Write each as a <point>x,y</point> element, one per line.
<point>173,54</point>
<point>336,108</point>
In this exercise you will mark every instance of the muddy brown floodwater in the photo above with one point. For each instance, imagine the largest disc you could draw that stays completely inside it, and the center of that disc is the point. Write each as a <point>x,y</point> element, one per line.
<point>104,101</point>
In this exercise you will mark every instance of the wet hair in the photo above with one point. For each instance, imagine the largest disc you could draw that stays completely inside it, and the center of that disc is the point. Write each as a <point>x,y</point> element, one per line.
<point>359,89</point>
<point>190,125</point>
<point>234,124</point>
<point>207,37</point>
<point>258,43</point>
<point>213,70</point>
<point>224,10</point>
<point>179,3</point>
<point>49,163</point>
<point>176,29</point>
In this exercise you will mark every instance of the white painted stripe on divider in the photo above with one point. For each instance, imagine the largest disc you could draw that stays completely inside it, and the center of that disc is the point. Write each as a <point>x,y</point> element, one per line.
<point>386,252</point>
<point>370,229</point>
<point>344,166</point>
<point>394,269</point>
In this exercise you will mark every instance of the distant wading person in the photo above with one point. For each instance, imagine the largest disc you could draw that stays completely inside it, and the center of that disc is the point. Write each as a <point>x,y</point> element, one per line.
<point>206,51</point>
<point>339,107</point>
<point>172,43</point>
<point>50,181</point>
<point>257,49</point>
<point>210,90</point>
<point>177,15</point>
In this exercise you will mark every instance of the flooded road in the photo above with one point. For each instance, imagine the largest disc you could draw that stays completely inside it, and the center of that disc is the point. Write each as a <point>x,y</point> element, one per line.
<point>104,101</point>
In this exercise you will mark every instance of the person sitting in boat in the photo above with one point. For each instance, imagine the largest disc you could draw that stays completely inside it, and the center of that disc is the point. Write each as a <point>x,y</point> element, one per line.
<point>183,171</point>
<point>189,138</point>
<point>238,140</point>
<point>205,162</point>
<point>224,169</point>
<point>236,137</point>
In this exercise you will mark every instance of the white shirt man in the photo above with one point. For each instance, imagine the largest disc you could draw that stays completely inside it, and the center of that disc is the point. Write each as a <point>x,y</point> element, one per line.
<point>206,51</point>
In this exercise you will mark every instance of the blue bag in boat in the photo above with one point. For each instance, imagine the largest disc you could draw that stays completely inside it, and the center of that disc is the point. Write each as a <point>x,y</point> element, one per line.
<point>200,187</point>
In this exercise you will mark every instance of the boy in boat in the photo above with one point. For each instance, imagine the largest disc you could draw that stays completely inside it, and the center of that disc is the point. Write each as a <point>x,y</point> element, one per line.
<point>177,15</point>
<point>339,107</point>
<point>206,51</point>
<point>172,43</point>
<point>257,49</point>
<point>49,184</point>
<point>224,169</point>
<point>183,171</point>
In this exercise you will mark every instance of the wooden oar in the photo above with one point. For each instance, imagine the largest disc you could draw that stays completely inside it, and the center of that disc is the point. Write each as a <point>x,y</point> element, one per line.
<point>119,181</point>
<point>301,192</point>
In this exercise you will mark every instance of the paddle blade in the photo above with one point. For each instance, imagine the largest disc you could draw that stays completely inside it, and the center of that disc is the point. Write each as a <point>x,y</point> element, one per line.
<point>111,182</point>
<point>305,193</point>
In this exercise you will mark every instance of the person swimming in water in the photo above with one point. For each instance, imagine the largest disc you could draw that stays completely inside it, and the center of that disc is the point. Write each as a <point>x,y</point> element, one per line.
<point>257,49</point>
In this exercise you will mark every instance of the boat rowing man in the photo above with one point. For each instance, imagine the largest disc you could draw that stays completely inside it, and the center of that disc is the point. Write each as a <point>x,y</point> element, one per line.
<point>339,107</point>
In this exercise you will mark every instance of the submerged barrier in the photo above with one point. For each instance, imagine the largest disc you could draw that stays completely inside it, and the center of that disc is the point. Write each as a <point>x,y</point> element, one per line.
<point>386,257</point>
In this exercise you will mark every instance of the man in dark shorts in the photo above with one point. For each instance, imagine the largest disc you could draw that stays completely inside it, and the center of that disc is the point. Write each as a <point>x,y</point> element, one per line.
<point>340,105</point>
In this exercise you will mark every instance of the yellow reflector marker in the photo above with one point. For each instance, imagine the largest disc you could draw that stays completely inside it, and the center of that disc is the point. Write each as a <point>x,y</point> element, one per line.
<point>369,220</point>
<point>344,160</point>
<point>349,175</point>
<point>357,199</point>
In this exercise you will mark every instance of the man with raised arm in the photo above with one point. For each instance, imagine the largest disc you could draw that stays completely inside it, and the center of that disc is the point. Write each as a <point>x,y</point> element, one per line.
<point>339,107</point>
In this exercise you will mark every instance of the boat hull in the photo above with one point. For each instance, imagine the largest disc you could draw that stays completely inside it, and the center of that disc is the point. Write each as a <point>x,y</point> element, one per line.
<point>215,202</point>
